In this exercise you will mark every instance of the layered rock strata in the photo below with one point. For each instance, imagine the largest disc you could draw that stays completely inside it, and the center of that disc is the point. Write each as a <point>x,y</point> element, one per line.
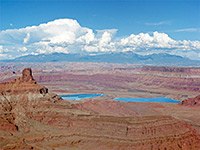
<point>32,118</point>
<point>172,69</point>
<point>23,84</point>
<point>192,101</point>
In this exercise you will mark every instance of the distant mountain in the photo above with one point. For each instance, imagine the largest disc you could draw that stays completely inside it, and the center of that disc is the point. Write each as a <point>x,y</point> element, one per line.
<point>161,59</point>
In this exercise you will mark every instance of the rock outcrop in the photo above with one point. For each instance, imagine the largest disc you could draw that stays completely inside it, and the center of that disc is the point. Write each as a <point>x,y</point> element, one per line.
<point>192,101</point>
<point>27,75</point>
<point>32,118</point>
<point>16,93</point>
<point>25,83</point>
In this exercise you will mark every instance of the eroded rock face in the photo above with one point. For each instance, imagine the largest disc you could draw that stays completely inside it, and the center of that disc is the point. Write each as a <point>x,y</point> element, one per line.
<point>192,101</point>
<point>27,75</point>
<point>15,94</point>
<point>23,84</point>
<point>32,118</point>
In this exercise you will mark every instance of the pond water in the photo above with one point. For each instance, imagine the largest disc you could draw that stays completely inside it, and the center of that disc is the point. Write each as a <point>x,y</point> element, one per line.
<point>154,99</point>
<point>80,96</point>
<point>90,95</point>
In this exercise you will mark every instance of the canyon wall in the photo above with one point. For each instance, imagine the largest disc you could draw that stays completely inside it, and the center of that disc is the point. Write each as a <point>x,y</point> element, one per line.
<point>33,118</point>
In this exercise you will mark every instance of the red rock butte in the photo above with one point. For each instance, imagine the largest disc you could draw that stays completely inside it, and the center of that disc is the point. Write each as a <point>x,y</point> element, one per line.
<point>33,118</point>
<point>27,75</point>
<point>26,83</point>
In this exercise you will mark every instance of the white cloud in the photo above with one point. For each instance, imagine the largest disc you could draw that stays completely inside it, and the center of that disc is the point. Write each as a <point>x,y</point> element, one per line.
<point>26,39</point>
<point>2,55</point>
<point>32,53</point>
<point>87,38</point>
<point>22,49</point>
<point>66,35</point>
<point>158,42</point>
<point>1,48</point>
<point>188,30</point>
<point>158,23</point>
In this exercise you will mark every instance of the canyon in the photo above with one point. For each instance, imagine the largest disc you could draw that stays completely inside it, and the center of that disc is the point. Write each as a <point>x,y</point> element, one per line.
<point>33,117</point>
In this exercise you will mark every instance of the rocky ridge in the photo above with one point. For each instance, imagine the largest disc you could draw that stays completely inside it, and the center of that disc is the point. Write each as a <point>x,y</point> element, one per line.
<point>172,69</point>
<point>33,118</point>
<point>192,101</point>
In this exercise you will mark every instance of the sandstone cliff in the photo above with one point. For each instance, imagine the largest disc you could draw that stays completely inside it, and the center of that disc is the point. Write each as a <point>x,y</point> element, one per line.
<point>32,118</point>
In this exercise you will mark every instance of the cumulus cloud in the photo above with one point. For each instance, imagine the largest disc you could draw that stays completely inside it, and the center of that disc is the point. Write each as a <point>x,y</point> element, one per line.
<point>26,39</point>
<point>145,41</point>
<point>67,36</point>
<point>160,43</point>
<point>1,47</point>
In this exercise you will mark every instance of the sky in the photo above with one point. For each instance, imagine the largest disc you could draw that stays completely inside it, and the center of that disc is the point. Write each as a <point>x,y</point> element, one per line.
<point>144,27</point>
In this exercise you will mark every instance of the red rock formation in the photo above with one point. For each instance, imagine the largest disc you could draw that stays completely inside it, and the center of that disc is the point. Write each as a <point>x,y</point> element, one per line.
<point>175,82</point>
<point>27,75</point>
<point>26,83</point>
<point>5,125</point>
<point>46,121</point>
<point>146,82</point>
<point>192,101</point>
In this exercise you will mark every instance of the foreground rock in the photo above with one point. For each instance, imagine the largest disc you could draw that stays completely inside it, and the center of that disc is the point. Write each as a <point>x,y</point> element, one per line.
<point>32,118</point>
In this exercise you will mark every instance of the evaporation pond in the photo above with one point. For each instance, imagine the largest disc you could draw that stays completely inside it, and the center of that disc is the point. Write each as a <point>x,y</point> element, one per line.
<point>154,99</point>
<point>80,96</point>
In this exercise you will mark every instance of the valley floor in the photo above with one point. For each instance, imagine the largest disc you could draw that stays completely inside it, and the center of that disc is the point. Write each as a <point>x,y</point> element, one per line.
<point>48,122</point>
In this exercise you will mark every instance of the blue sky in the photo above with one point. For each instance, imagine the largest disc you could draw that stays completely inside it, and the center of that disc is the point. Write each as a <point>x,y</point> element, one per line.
<point>126,16</point>
<point>144,27</point>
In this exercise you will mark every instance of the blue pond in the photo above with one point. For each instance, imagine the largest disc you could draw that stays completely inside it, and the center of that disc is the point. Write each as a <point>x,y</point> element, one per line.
<point>155,99</point>
<point>80,96</point>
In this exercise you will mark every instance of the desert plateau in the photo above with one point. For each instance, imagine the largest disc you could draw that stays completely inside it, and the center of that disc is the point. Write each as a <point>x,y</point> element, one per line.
<point>99,75</point>
<point>34,116</point>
